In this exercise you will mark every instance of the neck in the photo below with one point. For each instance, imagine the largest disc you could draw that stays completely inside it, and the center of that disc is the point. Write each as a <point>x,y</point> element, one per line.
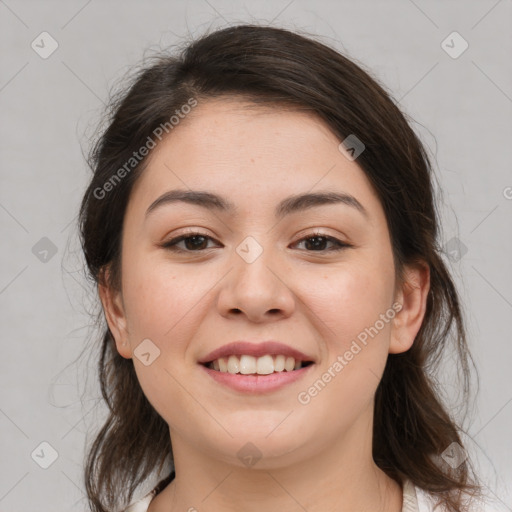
<point>340,478</point>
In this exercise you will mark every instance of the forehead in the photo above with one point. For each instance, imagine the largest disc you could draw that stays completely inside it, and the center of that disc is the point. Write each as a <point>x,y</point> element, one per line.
<point>253,154</point>
<point>240,129</point>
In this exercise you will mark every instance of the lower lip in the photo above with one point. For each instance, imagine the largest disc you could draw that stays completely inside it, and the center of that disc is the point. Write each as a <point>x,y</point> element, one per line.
<point>257,383</point>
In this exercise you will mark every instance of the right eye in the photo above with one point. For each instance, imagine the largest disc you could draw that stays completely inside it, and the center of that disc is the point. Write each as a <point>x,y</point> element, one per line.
<point>194,242</point>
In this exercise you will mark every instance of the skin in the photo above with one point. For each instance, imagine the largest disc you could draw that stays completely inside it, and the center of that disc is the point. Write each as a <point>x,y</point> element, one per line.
<point>317,300</point>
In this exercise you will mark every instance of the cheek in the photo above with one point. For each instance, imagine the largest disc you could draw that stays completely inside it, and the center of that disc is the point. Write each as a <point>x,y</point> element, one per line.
<point>160,300</point>
<point>349,304</point>
<point>162,305</point>
<point>348,299</point>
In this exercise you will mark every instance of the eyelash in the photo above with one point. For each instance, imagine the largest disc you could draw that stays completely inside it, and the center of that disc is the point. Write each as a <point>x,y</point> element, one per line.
<point>172,244</point>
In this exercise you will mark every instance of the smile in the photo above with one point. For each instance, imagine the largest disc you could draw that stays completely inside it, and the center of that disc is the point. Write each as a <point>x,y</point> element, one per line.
<point>241,373</point>
<point>250,365</point>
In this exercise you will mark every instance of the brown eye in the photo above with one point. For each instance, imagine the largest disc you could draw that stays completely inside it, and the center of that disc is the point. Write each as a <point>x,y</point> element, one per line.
<point>319,242</point>
<point>194,242</point>
<point>197,242</point>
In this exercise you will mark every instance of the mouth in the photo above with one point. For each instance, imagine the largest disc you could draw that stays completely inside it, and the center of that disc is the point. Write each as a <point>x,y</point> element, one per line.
<point>257,375</point>
<point>249,365</point>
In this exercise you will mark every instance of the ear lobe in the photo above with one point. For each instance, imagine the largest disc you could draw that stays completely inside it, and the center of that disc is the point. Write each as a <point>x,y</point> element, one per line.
<point>412,294</point>
<point>114,310</point>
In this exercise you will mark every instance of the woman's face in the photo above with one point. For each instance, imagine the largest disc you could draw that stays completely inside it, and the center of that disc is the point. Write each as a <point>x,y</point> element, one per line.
<point>257,274</point>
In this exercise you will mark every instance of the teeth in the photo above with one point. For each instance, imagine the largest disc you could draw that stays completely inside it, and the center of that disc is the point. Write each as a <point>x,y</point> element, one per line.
<point>233,364</point>
<point>223,364</point>
<point>263,365</point>
<point>289,364</point>
<point>279,363</point>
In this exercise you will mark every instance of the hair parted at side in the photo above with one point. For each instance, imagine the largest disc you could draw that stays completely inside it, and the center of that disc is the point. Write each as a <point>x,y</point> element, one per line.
<point>274,66</point>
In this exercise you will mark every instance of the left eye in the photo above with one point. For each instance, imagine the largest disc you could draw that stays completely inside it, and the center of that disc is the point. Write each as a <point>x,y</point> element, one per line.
<point>321,240</point>
<point>196,242</point>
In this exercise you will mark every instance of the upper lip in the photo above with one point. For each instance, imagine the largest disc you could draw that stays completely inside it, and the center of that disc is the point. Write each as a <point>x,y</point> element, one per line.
<point>255,350</point>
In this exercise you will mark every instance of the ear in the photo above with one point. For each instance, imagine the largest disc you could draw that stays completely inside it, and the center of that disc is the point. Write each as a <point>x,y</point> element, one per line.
<point>412,295</point>
<point>113,307</point>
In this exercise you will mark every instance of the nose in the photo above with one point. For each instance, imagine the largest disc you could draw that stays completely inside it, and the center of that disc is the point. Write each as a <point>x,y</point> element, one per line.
<point>256,286</point>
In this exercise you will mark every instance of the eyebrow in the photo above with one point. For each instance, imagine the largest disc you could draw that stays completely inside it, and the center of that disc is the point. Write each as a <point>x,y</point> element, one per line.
<point>292,204</point>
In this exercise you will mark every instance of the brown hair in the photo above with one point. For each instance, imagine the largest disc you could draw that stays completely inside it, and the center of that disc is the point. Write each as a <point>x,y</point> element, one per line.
<point>275,66</point>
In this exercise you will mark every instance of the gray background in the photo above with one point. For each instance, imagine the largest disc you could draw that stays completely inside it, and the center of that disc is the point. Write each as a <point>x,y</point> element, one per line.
<point>462,110</point>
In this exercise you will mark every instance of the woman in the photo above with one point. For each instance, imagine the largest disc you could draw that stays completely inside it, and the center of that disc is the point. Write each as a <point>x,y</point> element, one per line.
<point>262,230</point>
